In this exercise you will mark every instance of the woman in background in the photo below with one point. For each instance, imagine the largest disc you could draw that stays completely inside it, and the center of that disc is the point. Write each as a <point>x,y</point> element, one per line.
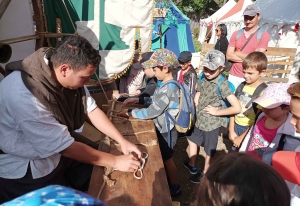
<point>222,42</point>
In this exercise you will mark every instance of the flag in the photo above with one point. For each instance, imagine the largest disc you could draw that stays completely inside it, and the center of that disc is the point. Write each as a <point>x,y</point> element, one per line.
<point>110,26</point>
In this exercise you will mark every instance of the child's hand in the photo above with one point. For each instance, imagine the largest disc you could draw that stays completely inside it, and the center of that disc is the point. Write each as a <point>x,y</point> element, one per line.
<point>237,141</point>
<point>123,113</point>
<point>211,110</point>
<point>137,92</point>
<point>127,148</point>
<point>131,101</point>
<point>232,135</point>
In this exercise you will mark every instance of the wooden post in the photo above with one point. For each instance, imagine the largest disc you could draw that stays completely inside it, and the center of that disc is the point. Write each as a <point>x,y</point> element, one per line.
<point>160,36</point>
<point>40,22</point>
<point>3,6</point>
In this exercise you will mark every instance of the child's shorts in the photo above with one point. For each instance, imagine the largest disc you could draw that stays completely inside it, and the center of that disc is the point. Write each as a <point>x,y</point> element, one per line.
<point>166,151</point>
<point>208,139</point>
<point>238,129</point>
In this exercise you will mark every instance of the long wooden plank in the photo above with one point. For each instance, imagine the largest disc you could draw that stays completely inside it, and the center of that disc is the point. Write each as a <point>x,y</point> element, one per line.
<point>269,79</point>
<point>279,71</point>
<point>276,51</point>
<point>152,189</point>
<point>3,6</point>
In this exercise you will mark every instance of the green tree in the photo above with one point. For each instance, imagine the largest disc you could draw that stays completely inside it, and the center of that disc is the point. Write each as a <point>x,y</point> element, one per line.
<point>202,7</point>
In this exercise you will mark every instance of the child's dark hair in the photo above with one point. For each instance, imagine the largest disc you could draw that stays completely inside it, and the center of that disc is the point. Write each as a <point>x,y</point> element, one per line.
<point>257,60</point>
<point>283,106</point>
<point>223,29</point>
<point>237,179</point>
<point>170,68</point>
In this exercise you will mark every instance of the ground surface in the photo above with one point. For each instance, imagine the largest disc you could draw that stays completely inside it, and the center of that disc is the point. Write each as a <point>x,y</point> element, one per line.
<point>180,154</point>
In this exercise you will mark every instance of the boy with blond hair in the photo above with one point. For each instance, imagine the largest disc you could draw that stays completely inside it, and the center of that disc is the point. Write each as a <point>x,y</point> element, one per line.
<point>254,67</point>
<point>210,114</point>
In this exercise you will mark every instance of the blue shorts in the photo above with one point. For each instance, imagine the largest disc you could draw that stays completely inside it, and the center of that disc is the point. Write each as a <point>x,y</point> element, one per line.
<point>238,129</point>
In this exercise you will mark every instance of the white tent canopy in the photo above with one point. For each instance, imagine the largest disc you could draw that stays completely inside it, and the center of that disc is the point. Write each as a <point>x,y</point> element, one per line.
<point>233,19</point>
<point>278,19</point>
<point>214,18</point>
<point>218,14</point>
<point>237,16</point>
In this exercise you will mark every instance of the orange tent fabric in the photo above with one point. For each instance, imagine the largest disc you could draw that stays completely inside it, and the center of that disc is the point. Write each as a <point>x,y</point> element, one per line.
<point>234,10</point>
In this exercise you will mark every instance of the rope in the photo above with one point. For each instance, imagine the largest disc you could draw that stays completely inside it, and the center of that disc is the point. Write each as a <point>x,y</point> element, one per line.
<point>110,170</point>
<point>101,86</point>
<point>109,182</point>
<point>69,16</point>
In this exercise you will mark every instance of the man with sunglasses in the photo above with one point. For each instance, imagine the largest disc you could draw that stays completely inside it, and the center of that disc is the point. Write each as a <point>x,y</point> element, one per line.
<point>242,45</point>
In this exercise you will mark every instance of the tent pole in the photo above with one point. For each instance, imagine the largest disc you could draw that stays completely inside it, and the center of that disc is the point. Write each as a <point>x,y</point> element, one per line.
<point>160,36</point>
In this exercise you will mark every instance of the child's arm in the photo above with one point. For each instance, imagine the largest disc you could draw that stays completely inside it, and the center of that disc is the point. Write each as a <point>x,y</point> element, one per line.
<point>239,139</point>
<point>235,107</point>
<point>232,135</point>
<point>197,95</point>
<point>159,104</point>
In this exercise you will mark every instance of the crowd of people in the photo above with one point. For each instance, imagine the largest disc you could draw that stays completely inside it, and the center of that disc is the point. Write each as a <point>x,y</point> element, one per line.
<point>38,145</point>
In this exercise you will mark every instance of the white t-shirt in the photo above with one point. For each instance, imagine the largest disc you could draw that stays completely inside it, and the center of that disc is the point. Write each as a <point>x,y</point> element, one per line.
<point>29,132</point>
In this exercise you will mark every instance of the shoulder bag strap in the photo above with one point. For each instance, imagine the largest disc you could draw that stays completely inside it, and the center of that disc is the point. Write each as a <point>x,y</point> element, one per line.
<point>250,37</point>
<point>256,93</point>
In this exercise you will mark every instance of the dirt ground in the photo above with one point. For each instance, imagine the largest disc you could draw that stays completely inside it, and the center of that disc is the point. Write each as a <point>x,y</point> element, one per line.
<point>180,154</point>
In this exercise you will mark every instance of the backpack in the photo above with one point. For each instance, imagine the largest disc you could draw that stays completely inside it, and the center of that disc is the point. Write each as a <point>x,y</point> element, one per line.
<point>258,37</point>
<point>255,94</point>
<point>185,117</point>
<point>225,103</point>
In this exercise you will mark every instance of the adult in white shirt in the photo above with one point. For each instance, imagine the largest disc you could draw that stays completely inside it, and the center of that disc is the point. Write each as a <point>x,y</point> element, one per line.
<point>42,101</point>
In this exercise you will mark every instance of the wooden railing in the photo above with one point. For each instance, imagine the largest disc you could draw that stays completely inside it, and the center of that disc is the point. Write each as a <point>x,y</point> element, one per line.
<point>279,61</point>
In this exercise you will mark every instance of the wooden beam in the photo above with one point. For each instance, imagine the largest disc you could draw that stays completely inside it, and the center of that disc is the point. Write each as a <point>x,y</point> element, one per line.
<point>40,22</point>
<point>31,37</point>
<point>281,71</point>
<point>276,51</point>
<point>270,79</point>
<point>19,39</point>
<point>3,6</point>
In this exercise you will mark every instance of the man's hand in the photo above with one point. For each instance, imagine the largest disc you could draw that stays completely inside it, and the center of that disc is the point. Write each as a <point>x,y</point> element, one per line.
<point>127,148</point>
<point>123,113</point>
<point>211,110</point>
<point>237,141</point>
<point>232,135</point>
<point>127,163</point>
<point>131,101</point>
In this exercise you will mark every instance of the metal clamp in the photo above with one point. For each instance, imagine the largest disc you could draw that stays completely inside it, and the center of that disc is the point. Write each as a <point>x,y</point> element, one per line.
<point>140,170</point>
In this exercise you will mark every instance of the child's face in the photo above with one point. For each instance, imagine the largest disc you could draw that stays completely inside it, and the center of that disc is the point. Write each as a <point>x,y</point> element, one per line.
<point>161,73</point>
<point>149,72</point>
<point>184,65</point>
<point>211,74</point>
<point>251,75</point>
<point>295,110</point>
<point>275,113</point>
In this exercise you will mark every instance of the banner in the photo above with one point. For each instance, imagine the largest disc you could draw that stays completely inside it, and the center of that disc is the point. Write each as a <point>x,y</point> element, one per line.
<point>110,26</point>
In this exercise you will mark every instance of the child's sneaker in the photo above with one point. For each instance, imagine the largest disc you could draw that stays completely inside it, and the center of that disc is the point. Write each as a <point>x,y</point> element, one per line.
<point>197,177</point>
<point>192,170</point>
<point>175,190</point>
